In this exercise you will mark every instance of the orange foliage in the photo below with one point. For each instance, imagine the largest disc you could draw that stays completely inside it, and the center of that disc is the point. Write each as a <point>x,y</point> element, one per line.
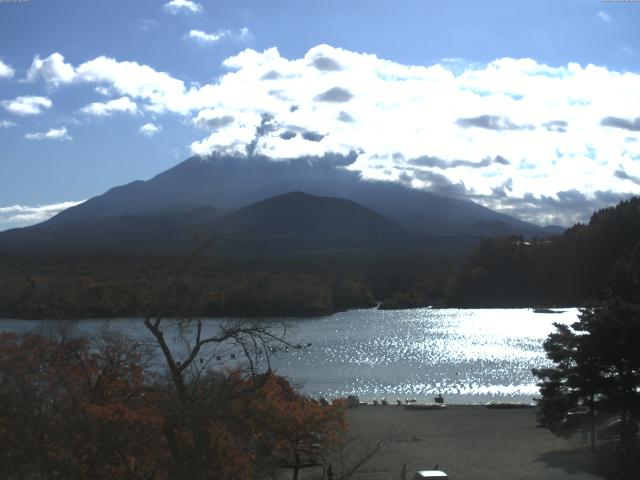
<point>293,428</point>
<point>73,409</point>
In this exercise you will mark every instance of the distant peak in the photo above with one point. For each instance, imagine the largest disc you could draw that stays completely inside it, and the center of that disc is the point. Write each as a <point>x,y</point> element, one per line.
<point>297,193</point>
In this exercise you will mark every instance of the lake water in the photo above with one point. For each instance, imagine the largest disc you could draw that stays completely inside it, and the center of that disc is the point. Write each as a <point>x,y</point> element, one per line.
<point>470,356</point>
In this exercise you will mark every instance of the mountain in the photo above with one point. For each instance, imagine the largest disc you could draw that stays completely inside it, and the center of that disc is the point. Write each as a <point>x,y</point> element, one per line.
<point>122,234</point>
<point>230,183</point>
<point>554,230</point>
<point>252,199</point>
<point>294,222</point>
<point>297,221</point>
<point>298,213</point>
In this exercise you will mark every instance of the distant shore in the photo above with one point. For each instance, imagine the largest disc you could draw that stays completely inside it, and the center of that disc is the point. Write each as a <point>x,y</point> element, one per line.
<point>306,315</point>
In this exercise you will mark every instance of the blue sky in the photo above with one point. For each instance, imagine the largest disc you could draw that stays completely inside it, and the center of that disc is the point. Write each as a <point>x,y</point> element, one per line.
<point>532,108</point>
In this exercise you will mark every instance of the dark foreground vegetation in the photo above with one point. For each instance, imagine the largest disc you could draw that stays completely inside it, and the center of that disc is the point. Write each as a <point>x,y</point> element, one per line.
<point>79,408</point>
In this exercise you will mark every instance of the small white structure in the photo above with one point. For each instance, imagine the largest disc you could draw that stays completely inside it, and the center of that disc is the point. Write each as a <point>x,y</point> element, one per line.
<point>422,474</point>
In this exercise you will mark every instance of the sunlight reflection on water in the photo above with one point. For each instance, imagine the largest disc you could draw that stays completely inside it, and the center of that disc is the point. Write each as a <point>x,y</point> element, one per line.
<point>470,355</point>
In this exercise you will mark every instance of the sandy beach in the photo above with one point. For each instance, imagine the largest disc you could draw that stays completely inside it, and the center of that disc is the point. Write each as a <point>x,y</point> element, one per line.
<point>467,442</point>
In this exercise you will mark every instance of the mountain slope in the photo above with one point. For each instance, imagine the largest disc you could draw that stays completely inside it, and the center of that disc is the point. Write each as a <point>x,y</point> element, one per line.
<point>297,221</point>
<point>290,223</point>
<point>230,183</point>
<point>121,234</point>
<point>298,213</point>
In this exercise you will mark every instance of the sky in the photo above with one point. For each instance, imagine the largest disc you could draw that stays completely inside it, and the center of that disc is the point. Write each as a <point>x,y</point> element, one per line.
<point>530,108</point>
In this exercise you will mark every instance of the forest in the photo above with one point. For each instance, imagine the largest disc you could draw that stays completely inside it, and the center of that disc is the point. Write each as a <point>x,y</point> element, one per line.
<point>116,286</point>
<point>566,270</point>
<point>592,386</point>
<point>509,271</point>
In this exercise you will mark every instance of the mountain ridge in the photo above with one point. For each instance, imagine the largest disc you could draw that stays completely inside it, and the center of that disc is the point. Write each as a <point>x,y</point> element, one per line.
<point>230,183</point>
<point>291,222</point>
<point>203,195</point>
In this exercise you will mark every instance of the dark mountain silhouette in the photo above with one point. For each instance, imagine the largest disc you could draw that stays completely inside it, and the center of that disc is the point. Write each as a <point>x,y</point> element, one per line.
<point>125,233</point>
<point>298,221</point>
<point>230,183</point>
<point>289,223</point>
<point>250,199</point>
<point>298,213</point>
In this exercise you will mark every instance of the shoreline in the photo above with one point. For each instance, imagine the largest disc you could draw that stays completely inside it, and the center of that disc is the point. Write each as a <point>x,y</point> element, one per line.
<point>468,442</point>
<point>301,316</point>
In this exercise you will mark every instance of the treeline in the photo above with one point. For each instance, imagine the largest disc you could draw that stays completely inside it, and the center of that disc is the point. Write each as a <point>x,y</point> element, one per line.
<point>592,385</point>
<point>501,272</point>
<point>122,286</point>
<point>560,271</point>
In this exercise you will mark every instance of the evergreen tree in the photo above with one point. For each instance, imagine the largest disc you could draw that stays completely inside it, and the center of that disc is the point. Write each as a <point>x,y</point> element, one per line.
<point>594,384</point>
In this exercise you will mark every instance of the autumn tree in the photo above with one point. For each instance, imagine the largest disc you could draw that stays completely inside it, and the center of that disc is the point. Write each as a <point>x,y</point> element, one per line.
<point>295,428</point>
<point>75,409</point>
<point>78,409</point>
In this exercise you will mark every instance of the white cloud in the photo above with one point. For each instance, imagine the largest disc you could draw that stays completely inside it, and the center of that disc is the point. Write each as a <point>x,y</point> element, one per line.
<point>104,109</point>
<point>27,105</point>
<point>605,17</point>
<point>7,124</point>
<point>242,35</point>
<point>558,127</point>
<point>5,70</point>
<point>52,134</point>
<point>22,215</point>
<point>160,90</point>
<point>202,37</point>
<point>52,69</point>
<point>547,121</point>
<point>182,6</point>
<point>149,129</point>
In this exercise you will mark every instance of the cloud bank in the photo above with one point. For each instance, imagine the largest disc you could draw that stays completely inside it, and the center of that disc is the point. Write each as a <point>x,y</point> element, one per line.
<point>22,215</point>
<point>513,134</point>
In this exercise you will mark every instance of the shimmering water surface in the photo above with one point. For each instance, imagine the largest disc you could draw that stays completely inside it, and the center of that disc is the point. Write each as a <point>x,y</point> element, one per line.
<point>469,356</point>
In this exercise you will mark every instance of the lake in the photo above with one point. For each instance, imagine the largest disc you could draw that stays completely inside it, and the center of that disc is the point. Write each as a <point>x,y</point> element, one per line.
<point>468,355</point>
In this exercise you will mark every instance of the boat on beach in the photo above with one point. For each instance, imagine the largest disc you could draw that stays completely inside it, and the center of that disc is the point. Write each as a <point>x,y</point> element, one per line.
<point>425,406</point>
<point>508,405</point>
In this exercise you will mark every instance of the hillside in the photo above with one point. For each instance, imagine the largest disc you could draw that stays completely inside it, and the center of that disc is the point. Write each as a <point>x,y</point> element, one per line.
<point>295,222</point>
<point>565,270</point>
<point>298,221</point>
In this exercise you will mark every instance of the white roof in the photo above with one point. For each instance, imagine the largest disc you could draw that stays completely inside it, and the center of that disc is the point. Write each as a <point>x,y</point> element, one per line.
<point>431,474</point>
